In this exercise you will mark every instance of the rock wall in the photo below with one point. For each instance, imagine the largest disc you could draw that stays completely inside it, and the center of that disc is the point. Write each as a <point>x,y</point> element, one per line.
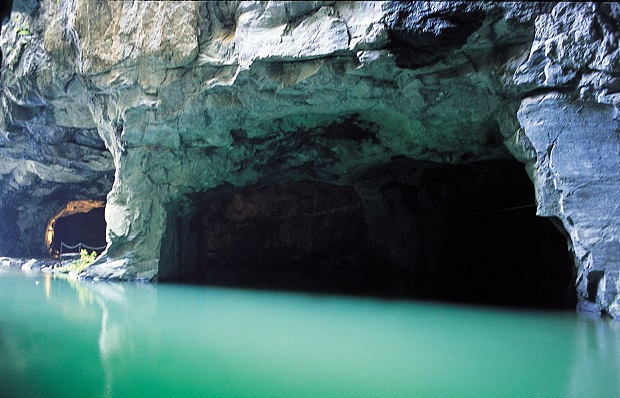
<point>570,139</point>
<point>190,96</point>
<point>50,147</point>
<point>288,236</point>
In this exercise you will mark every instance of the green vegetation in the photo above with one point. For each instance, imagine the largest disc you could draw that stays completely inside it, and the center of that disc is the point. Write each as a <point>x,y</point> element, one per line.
<point>79,264</point>
<point>24,32</point>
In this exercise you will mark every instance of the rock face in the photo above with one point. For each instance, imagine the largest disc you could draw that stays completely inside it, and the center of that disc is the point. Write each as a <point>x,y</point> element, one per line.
<point>285,236</point>
<point>570,139</point>
<point>160,105</point>
<point>331,218</point>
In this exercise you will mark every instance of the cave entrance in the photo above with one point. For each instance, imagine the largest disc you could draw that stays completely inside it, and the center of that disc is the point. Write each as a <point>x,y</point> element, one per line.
<point>495,250</point>
<point>80,224</point>
<point>409,229</point>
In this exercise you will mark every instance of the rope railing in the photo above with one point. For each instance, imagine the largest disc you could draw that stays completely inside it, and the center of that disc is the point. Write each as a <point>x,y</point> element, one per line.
<point>80,246</point>
<point>483,213</point>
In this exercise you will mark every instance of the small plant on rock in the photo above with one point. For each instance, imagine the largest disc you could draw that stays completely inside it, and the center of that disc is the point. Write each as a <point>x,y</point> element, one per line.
<point>80,264</point>
<point>24,32</point>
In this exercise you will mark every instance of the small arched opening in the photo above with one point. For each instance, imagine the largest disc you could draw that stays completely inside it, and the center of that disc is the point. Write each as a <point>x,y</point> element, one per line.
<point>80,224</point>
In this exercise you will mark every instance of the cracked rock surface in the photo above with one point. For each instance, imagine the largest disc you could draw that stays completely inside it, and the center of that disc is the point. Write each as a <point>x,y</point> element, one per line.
<point>152,104</point>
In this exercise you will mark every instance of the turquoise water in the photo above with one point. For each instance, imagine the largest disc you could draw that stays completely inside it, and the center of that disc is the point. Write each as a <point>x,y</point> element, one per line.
<point>64,338</point>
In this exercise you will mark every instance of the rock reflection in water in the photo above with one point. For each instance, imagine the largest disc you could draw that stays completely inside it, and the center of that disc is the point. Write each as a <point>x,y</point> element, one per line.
<point>596,367</point>
<point>74,338</point>
<point>118,338</point>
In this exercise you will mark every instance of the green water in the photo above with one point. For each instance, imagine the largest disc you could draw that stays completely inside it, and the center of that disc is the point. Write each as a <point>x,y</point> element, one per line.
<point>64,338</point>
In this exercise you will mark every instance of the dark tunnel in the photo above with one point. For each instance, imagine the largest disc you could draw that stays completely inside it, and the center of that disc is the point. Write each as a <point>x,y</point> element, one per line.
<point>496,250</point>
<point>458,233</point>
<point>87,228</point>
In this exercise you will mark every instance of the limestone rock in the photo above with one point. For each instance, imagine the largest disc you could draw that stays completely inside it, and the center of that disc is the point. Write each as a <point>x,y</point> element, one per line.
<point>576,170</point>
<point>570,139</point>
<point>157,103</point>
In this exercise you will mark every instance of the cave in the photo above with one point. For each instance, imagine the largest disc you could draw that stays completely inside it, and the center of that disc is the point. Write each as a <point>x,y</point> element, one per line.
<point>80,224</point>
<point>495,250</point>
<point>409,229</point>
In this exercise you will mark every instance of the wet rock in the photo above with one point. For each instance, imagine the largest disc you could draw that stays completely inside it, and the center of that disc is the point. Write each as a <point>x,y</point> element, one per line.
<point>28,264</point>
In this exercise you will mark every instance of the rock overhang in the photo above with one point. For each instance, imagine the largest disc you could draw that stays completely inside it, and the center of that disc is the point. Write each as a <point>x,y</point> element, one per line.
<point>190,96</point>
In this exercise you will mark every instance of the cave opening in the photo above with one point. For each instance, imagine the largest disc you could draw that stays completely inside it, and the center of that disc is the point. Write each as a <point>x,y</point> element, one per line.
<point>496,250</point>
<point>409,229</point>
<point>78,225</point>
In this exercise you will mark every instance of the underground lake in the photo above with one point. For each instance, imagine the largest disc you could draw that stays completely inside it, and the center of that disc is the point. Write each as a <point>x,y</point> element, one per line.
<point>61,337</point>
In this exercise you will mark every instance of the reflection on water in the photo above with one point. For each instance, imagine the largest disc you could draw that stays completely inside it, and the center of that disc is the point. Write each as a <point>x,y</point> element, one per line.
<point>61,337</point>
<point>596,373</point>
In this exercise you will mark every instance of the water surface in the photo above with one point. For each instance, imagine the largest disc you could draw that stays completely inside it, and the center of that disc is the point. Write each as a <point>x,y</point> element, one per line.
<point>65,338</point>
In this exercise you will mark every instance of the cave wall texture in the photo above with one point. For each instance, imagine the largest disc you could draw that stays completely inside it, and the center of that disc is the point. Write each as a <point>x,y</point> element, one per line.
<point>153,105</point>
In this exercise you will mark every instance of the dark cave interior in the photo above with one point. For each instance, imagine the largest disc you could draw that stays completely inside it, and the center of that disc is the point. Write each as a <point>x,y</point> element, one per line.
<point>457,233</point>
<point>497,251</point>
<point>88,228</point>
